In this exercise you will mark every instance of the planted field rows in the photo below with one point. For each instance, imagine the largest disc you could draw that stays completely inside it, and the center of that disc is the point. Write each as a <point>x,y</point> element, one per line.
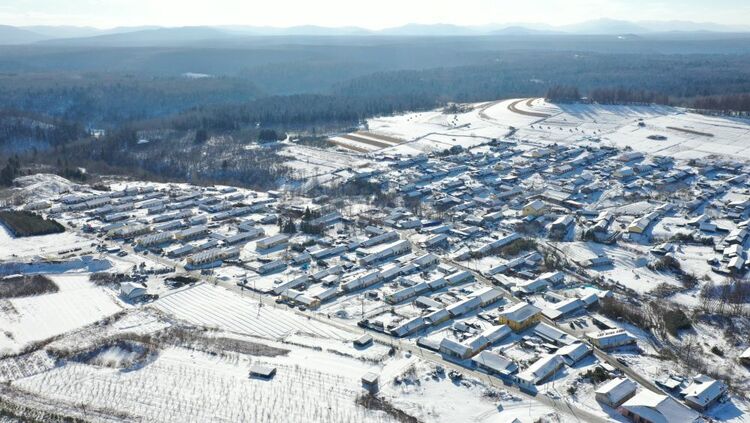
<point>363,141</point>
<point>187,386</point>
<point>210,306</point>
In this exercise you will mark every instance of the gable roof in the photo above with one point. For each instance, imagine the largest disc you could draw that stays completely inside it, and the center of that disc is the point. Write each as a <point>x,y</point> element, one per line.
<point>617,389</point>
<point>658,408</point>
<point>703,390</point>
<point>454,346</point>
<point>541,368</point>
<point>495,362</point>
<point>520,312</point>
<point>573,352</point>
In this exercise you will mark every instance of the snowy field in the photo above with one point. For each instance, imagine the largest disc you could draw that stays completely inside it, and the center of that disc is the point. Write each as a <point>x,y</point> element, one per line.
<point>216,307</point>
<point>38,246</point>
<point>30,319</point>
<point>182,385</point>
<point>688,135</point>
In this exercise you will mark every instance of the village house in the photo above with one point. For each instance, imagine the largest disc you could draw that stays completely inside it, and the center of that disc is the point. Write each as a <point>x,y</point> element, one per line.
<point>573,353</point>
<point>131,291</point>
<point>455,349</point>
<point>541,370</point>
<point>650,407</point>
<point>534,208</point>
<point>703,392</point>
<point>262,371</point>
<point>520,316</point>
<point>611,338</point>
<point>495,364</point>
<point>271,242</point>
<point>615,391</point>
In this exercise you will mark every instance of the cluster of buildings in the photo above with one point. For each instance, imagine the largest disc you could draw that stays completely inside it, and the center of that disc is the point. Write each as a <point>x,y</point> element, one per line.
<point>464,265</point>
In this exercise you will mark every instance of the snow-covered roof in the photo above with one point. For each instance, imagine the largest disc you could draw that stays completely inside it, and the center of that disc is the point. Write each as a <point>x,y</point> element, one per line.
<point>541,369</point>
<point>463,306</point>
<point>437,316</point>
<point>703,390</point>
<point>132,290</point>
<point>573,352</point>
<point>487,294</point>
<point>611,337</point>
<point>553,334</point>
<point>658,408</point>
<point>495,362</point>
<point>617,389</point>
<point>535,205</point>
<point>569,305</point>
<point>520,312</point>
<point>454,346</point>
<point>496,333</point>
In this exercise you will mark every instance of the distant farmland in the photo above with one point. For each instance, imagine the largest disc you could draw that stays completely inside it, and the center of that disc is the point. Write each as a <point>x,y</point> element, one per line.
<point>364,142</point>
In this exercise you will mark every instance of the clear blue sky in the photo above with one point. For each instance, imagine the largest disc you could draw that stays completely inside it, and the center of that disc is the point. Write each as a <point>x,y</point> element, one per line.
<point>373,14</point>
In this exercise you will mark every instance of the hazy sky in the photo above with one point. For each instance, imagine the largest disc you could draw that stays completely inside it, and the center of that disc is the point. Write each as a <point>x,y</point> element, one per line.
<point>373,14</point>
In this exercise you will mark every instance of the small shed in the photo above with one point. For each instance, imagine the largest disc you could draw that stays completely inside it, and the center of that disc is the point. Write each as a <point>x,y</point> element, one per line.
<point>370,382</point>
<point>132,291</point>
<point>262,371</point>
<point>363,341</point>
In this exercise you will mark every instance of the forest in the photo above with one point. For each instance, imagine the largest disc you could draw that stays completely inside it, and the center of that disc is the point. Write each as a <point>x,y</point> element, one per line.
<point>188,112</point>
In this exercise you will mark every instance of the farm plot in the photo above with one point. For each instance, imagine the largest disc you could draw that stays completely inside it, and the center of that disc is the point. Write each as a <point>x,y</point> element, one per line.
<point>181,385</point>
<point>363,141</point>
<point>30,319</point>
<point>311,158</point>
<point>13,368</point>
<point>212,306</point>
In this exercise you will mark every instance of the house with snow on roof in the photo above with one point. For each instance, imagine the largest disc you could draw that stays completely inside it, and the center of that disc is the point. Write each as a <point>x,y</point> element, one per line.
<point>650,407</point>
<point>611,338</point>
<point>534,208</point>
<point>520,316</point>
<point>616,391</point>
<point>541,370</point>
<point>703,392</point>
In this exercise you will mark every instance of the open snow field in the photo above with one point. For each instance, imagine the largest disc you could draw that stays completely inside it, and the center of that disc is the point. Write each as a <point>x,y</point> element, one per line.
<point>211,306</point>
<point>181,385</point>
<point>27,247</point>
<point>688,135</point>
<point>30,319</point>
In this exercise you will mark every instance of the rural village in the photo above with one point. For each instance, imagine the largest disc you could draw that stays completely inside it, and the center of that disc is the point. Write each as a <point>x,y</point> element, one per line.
<point>512,261</point>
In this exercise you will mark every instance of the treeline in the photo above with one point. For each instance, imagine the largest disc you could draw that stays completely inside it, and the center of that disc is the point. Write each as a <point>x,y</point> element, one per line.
<point>563,94</point>
<point>726,299</point>
<point>723,103</point>
<point>25,223</point>
<point>26,286</point>
<point>295,111</point>
<point>23,126</point>
<point>619,95</point>
<point>111,98</point>
<point>182,156</point>
<point>657,316</point>
<point>10,171</point>
<point>622,95</point>
<point>609,78</point>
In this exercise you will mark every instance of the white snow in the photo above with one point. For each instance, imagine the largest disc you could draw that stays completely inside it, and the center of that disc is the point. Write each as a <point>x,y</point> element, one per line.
<point>212,306</point>
<point>571,124</point>
<point>30,319</point>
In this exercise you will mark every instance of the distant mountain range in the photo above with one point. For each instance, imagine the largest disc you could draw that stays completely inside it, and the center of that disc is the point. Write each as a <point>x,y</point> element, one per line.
<point>152,35</point>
